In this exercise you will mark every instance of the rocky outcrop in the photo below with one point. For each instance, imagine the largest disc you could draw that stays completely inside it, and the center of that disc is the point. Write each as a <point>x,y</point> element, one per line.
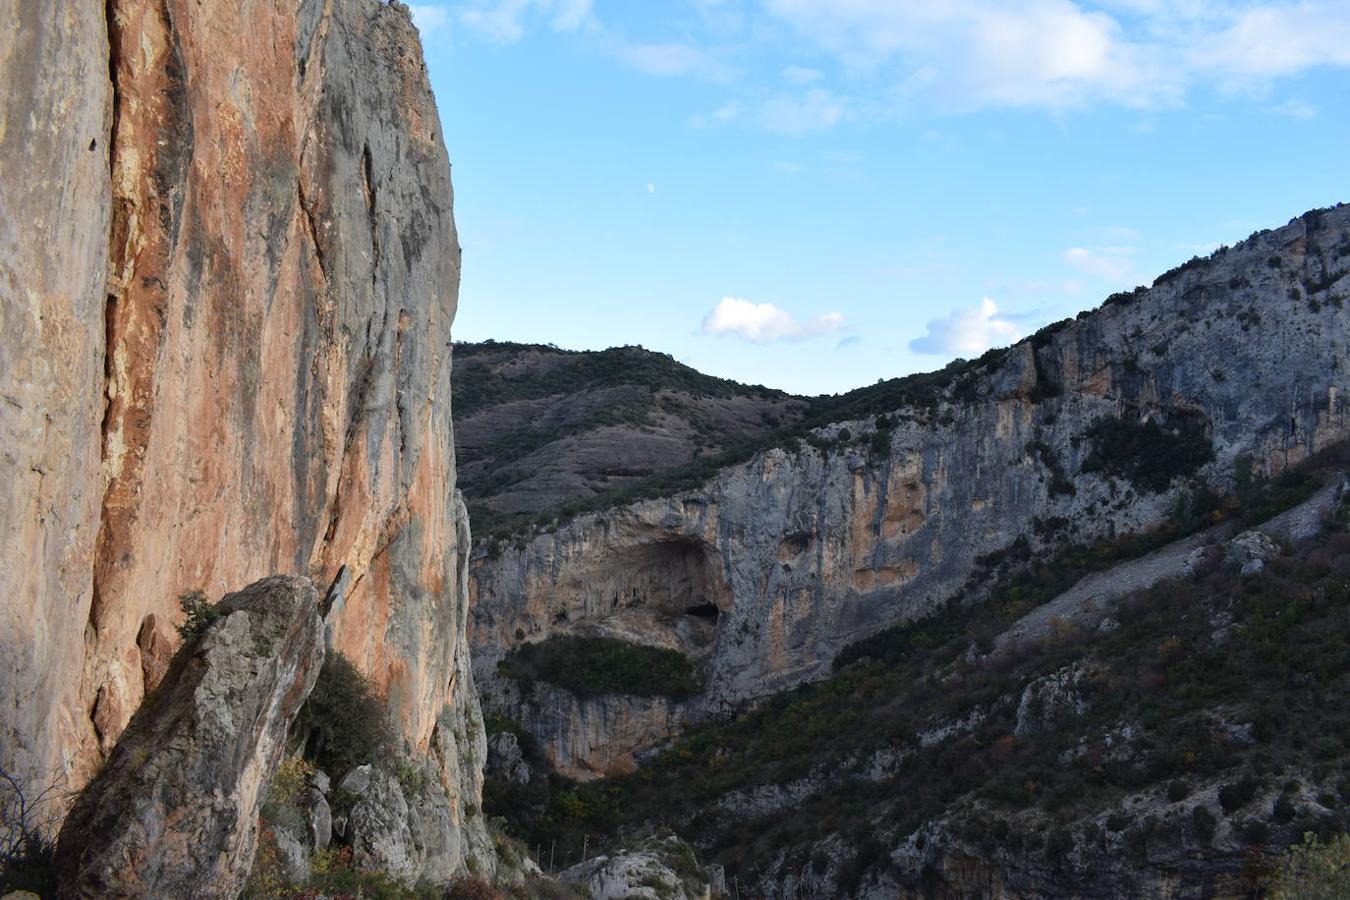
<point>228,272</point>
<point>174,813</point>
<point>658,868</point>
<point>762,575</point>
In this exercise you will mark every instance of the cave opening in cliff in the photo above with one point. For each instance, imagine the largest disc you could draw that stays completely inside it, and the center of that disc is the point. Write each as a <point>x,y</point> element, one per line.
<point>706,611</point>
<point>675,586</point>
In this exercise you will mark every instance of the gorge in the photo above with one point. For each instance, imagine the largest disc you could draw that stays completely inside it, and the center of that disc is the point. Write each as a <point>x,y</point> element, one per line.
<point>292,610</point>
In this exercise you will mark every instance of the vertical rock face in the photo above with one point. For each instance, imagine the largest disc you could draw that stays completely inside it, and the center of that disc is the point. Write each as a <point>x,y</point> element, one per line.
<point>226,353</point>
<point>174,813</point>
<point>55,114</point>
<point>771,568</point>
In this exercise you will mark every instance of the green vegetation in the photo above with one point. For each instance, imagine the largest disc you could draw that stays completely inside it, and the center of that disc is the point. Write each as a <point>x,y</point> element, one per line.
<point>1315,870</point>
<point>477,387</point>
<point>590,666</point>
<point>199,613</point>
<point>343,724</point>
<point>1147,455</point>
<point>1283,666</point>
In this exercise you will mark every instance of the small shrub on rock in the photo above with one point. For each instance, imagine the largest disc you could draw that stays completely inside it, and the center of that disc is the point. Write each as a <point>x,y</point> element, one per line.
<point>343,724</point>
<point>199,613</point>
<point>1203,824</point>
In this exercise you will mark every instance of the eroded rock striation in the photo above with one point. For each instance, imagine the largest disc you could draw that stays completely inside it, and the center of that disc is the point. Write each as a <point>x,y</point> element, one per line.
<point>228,272</point>
<point>764,574</point>
<point>174,813</point>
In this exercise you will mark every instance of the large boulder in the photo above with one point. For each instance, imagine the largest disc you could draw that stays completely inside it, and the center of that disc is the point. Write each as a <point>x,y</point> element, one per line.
<point>506,760</point>
<point>175,811</point>
<point>658,868</point>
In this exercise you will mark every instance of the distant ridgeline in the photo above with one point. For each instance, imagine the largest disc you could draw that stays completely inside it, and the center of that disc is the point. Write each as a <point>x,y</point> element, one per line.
<point>544,434</point>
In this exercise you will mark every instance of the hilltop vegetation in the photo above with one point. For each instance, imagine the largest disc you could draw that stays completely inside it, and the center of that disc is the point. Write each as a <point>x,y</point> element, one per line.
<point>544,433</point>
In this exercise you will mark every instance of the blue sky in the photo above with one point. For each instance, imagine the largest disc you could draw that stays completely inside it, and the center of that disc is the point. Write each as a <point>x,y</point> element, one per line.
<point>814,194</point>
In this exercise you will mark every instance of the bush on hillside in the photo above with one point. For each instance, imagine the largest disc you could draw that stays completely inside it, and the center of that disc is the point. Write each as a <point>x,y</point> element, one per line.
<point>343,724</point>
<point>591,666</point>
<point>1147,455</point>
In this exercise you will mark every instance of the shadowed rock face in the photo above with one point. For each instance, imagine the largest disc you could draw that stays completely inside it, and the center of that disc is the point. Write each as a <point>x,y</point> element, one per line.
<point>802,553</point>
<point>228,269</point>
<point>174,812</point>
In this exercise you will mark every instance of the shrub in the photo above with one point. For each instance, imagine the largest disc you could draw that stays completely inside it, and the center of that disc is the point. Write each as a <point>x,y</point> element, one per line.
<point>1178,790</point>
<point>1147,455</point>
<point>1315,870</point>
<point>27,854</point>
<point>591,666</point>
<point>1059,843</point>
<point>343,724</point>
<point>1236,795</point>
<point>1203,824</point>
<point>199,612</point>
<point>1255,832</point>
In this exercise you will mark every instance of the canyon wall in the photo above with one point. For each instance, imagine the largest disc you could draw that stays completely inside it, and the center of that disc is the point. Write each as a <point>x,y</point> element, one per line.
<point>229,267</point>
<point>767,572</point>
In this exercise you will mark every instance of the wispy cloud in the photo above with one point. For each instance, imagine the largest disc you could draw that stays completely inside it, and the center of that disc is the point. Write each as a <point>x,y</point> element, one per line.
<point>764,323</point>
<point>800,75</point>
<point>967,332</point>
<point>506,21</point>
<point>429,18</point>
<point>795,114</point>
<point>962,55</point>
<point>1107,263</point>
<point>1294,109</point>
<point>669,59</point>
<point>1060,54</point>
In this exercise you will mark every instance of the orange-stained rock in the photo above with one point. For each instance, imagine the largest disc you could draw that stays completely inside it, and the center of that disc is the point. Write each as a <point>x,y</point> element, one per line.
<point>258,226</point>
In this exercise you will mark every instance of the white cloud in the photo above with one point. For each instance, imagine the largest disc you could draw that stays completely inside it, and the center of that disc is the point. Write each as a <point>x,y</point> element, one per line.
<point>670,59</point>
<point>651,188</point>
<point>815,110</point>
<point>1108,263</point>
<point>1062,54</point>
<point>764,323</point>
<point>727,112</point>
<point>967,332</point>
<point>1041,53</point>
<point>429,18</point>
<point>800,75</point>
<point>506,20</point>
<point>1294,109</point>
<point>1276,39</point>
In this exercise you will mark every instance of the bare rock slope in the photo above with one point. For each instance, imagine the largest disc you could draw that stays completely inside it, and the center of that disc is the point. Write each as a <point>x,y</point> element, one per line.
<point>228,272</point>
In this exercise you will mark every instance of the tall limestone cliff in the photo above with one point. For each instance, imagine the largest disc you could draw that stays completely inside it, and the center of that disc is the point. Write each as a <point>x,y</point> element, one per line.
<point>228,272</point>
<point>764,574</point>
